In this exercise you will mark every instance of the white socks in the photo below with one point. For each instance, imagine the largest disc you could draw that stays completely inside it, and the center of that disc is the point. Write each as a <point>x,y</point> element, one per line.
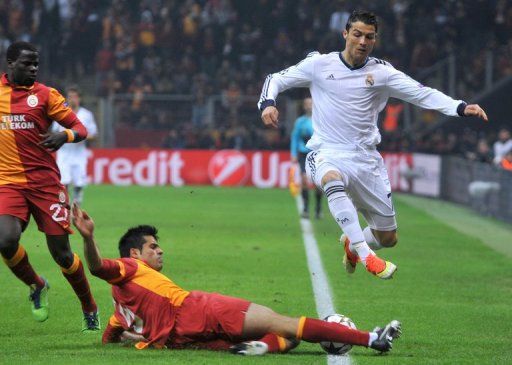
<point>345,214</point>
<point>373,337</point>
<point>362,249</point>
<point>343,210</point>
<point>370,239</point>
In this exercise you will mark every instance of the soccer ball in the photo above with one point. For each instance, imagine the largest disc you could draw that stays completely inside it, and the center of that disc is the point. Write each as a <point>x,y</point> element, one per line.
<point>338,348</point>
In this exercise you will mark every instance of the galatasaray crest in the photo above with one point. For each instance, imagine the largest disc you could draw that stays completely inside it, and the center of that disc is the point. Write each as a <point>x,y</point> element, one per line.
<point>369,80</point>
<point>62,197</point>
<point>32,101</point>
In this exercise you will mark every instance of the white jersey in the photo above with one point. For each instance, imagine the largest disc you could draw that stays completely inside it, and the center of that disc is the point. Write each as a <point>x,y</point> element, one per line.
<point>77,151</point>
<point>347,101</point>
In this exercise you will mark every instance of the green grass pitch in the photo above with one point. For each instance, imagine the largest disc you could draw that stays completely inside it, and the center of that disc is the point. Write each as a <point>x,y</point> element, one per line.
<point>452,293</point>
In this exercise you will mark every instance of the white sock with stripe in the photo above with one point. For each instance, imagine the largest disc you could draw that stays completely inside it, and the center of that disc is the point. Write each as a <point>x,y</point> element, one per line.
<point>345,214</point>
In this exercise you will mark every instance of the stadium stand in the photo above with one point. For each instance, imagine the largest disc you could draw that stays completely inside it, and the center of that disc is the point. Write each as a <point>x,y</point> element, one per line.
<point>187,74</point>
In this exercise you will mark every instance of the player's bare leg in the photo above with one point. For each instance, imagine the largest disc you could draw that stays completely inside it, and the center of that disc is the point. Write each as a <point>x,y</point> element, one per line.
<point>345,214</point>
<point>261,320</point>
<point>73,270</point>
<point>16,258</point>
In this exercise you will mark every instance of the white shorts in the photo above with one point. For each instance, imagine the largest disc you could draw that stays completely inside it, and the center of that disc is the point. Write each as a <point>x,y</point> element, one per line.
<point>366,182</point>
<point>72,171</point>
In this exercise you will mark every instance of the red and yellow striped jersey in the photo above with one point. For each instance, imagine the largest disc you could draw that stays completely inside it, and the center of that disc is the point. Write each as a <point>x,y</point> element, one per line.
<point>145,300</point>
<point>25,113</point>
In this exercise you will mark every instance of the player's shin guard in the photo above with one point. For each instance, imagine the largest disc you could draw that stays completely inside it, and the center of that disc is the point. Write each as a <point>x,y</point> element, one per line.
<point>76,277</point>
<point>343,210</point>
<point>20,266</point>
<point>316,330</point>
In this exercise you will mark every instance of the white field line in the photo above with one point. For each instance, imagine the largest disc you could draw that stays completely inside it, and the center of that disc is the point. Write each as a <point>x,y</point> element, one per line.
<point>321,288</point>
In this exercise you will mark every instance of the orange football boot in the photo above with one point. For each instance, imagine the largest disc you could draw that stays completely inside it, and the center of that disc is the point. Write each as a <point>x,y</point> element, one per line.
<point>349,259</point>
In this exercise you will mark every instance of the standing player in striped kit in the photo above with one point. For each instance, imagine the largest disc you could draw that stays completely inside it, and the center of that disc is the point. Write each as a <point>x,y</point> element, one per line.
<point>349,89</point>
<point>30,181</point>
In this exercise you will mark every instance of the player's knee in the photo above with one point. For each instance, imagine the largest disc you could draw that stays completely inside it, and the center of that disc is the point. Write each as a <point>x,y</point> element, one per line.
<point>331,176</point>
<point>9,236</point>
<point>63,258</point>
<point>389,240</point>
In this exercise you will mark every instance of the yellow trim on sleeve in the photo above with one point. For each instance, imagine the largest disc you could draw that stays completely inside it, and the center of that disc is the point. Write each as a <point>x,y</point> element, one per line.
<point>71,135</point>
<point>114,322</point>
<point>141,345</point>
<point>144,345</point>
<point>122,273</point>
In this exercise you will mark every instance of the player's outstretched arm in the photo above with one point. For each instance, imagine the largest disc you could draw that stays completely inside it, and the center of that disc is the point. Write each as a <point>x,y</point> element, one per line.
<point>474,110</point>
<point>270,116</point>
<point>299,75</point>
<point>85,225</point>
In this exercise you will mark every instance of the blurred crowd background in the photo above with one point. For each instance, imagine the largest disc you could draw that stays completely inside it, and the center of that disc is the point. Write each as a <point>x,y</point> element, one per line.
<point>188,73</point>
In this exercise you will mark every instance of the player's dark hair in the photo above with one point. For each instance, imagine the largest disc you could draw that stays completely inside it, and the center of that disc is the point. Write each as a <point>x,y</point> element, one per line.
<point>14,50</point>
<point>366,17</point>
<point>74,89</point>
<point>134,238</point>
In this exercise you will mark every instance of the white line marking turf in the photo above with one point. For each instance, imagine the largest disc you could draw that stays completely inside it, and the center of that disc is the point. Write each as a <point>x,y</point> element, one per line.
<point>321,287</point>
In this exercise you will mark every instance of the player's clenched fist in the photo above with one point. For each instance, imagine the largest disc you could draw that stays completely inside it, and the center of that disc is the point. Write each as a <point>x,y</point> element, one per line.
<point>270,116</point>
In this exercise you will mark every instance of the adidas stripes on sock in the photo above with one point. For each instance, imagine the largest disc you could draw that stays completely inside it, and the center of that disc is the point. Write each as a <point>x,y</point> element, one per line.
<point>345,214</point>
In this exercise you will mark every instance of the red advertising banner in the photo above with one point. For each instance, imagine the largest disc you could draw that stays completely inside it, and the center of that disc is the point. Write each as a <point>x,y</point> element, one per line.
<point>263,169</point>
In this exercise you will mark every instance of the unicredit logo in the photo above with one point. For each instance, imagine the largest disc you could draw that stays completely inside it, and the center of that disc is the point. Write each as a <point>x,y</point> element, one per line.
<point>228,168</point>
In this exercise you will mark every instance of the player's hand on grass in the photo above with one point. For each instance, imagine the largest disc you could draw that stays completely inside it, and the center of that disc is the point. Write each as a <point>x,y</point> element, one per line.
<point>53,140</point>
<point>129,336</point>
<point>81,220</point>
<point>474,110</point>
<point>270,116</point>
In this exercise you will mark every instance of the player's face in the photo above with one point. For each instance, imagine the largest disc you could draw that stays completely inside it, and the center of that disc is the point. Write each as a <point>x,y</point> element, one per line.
<point>152,253</point>
<point>360,40</point>
<point>308,105</point>
<point>23,71</point>
<point>73,99</point>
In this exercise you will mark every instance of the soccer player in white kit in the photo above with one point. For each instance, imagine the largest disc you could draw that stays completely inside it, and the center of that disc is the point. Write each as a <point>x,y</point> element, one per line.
<point>72,157</point>
<point>349,89</point>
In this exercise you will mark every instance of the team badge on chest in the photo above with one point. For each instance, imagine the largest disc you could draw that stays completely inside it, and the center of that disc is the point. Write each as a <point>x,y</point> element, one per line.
<point>369,80</point>
<point>62,197</point>
<point>32,101</point>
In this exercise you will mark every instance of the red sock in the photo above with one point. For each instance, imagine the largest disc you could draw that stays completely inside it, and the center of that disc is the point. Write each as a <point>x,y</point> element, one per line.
<point>316,330</point>
<point>275,343</point>
<point>20,266</point>
<point>76,277</point>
